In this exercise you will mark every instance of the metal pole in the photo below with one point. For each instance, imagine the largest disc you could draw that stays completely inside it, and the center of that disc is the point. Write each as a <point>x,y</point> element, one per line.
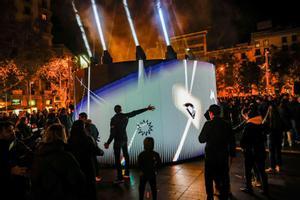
<point>267,71</point>
<point>88,92</point>
<point>29,103</point>
<point>5,97</point>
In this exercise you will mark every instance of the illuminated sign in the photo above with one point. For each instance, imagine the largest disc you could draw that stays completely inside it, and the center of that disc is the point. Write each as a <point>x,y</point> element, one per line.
<point>32,102</point>
<point>16,102</point>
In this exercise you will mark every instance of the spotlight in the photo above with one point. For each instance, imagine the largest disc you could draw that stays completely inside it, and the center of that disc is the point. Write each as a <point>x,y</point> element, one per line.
<point>106,58</point>
<point>139,53</point>
<point>170,53</point>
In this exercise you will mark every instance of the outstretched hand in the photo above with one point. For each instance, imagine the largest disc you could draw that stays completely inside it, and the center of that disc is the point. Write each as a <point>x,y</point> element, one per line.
<point>150,107</point>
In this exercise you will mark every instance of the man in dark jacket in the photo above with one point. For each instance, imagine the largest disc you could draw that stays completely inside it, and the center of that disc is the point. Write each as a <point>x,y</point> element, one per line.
<point>118,133</point>
<point>15,161</point>
<point>220,145</point>
<point>253,146</point>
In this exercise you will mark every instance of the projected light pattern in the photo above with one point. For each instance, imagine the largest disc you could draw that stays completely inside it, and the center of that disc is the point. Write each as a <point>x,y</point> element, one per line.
<point>136,41</point>
<point>98,24</point>
<point>180,91</point>
<point>86,43</point>
<point>162,21</point>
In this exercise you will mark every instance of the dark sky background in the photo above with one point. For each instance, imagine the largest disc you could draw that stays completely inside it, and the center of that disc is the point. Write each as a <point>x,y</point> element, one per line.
<point>228,21</point>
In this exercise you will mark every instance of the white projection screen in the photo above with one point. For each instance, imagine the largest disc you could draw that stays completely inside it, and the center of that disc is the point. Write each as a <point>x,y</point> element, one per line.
<point>181,92</point>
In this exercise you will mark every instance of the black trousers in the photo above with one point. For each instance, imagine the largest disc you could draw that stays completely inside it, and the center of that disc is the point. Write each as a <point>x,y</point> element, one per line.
<point>117,153</point>
<point>252,160</point>
<point>217,169</point>
<point>143,182</point>
<point>275,145</point>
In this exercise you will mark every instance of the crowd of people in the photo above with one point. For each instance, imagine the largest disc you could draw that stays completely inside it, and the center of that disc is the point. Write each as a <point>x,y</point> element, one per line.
<point>255,123</point>
<point>48,155</point>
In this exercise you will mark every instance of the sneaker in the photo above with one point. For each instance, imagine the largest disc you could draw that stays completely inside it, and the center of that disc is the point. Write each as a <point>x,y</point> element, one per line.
<point>246,190</point>
<point>269,170</point>
<point>98,178</point>
<point>257,184</point>
<point>277,168</point>
<point>118,181</point>
<point>126,177</point>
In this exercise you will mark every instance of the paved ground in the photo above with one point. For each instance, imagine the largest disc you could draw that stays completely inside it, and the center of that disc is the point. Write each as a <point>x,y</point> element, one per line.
<point>186,181</point>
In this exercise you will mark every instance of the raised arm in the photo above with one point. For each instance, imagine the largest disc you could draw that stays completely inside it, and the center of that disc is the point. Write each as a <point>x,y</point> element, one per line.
<point>136,112</point>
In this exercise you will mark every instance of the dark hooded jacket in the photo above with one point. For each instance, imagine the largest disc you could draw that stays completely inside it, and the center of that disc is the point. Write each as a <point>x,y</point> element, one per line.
<point>56,174</point>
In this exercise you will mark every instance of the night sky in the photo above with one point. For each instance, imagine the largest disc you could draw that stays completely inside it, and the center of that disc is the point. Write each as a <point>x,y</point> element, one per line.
<point>228,21</point>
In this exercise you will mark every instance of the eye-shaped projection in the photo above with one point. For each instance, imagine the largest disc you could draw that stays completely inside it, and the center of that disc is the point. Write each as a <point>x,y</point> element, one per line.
<point>190,109</point>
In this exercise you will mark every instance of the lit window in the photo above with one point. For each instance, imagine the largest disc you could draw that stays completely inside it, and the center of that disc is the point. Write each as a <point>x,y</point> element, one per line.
<point>266,43</point>
<point>257,45</point>
<point>44,17</point>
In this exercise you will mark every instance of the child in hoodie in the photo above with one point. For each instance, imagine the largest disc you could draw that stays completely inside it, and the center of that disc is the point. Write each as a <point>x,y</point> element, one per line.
<point>148,162</point>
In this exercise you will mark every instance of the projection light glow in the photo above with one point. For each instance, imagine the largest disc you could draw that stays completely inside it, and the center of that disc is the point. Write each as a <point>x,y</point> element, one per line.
<point>136,41</point>
<point>180,91</point>
<point>162,21</point>
<point>98,24</point>
<point>87,46</point>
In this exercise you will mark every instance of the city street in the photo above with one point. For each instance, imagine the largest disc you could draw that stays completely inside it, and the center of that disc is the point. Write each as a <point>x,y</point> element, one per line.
<point>186,181</point>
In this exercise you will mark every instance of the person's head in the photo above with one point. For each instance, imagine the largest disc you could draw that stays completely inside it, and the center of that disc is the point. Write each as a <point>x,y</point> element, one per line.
<point>148,143</point>
<point>7,131</point>
<point>214,111</point>
<point>78,129</point>
<point>54,133</point>
<point>83,116</point>
<point>118,108</point>
<point>253,111</point>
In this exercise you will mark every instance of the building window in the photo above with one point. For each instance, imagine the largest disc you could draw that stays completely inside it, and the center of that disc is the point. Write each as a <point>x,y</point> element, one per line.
<point>266,43</point>
<point>257,45</point>
<point>257,52</point>
<point>27,10</point>
<point>294,38</point>
<point>284,39</point>
<point>44,17</point>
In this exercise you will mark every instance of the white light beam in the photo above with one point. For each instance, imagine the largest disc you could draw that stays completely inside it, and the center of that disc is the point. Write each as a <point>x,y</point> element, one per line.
<point>87,46</point>
<point>98,24</point>
<point>186,130</point>
<point>162,20</point>
<point>136,41</point>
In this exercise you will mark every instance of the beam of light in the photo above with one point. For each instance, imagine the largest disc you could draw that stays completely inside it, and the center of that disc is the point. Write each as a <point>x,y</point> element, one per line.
<point>185,74</point>
<point>162,21</point>
<point>141,74</point>
<point>98,24</point>
<point>82,84</point>
<point>193,76</point>
<point>129,146</point>
<point>186,130</point>
<point>136,41</point>
<point>87,46</point>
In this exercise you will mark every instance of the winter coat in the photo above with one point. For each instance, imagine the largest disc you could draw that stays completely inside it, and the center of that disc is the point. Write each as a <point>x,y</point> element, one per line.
<point>56,174</point>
